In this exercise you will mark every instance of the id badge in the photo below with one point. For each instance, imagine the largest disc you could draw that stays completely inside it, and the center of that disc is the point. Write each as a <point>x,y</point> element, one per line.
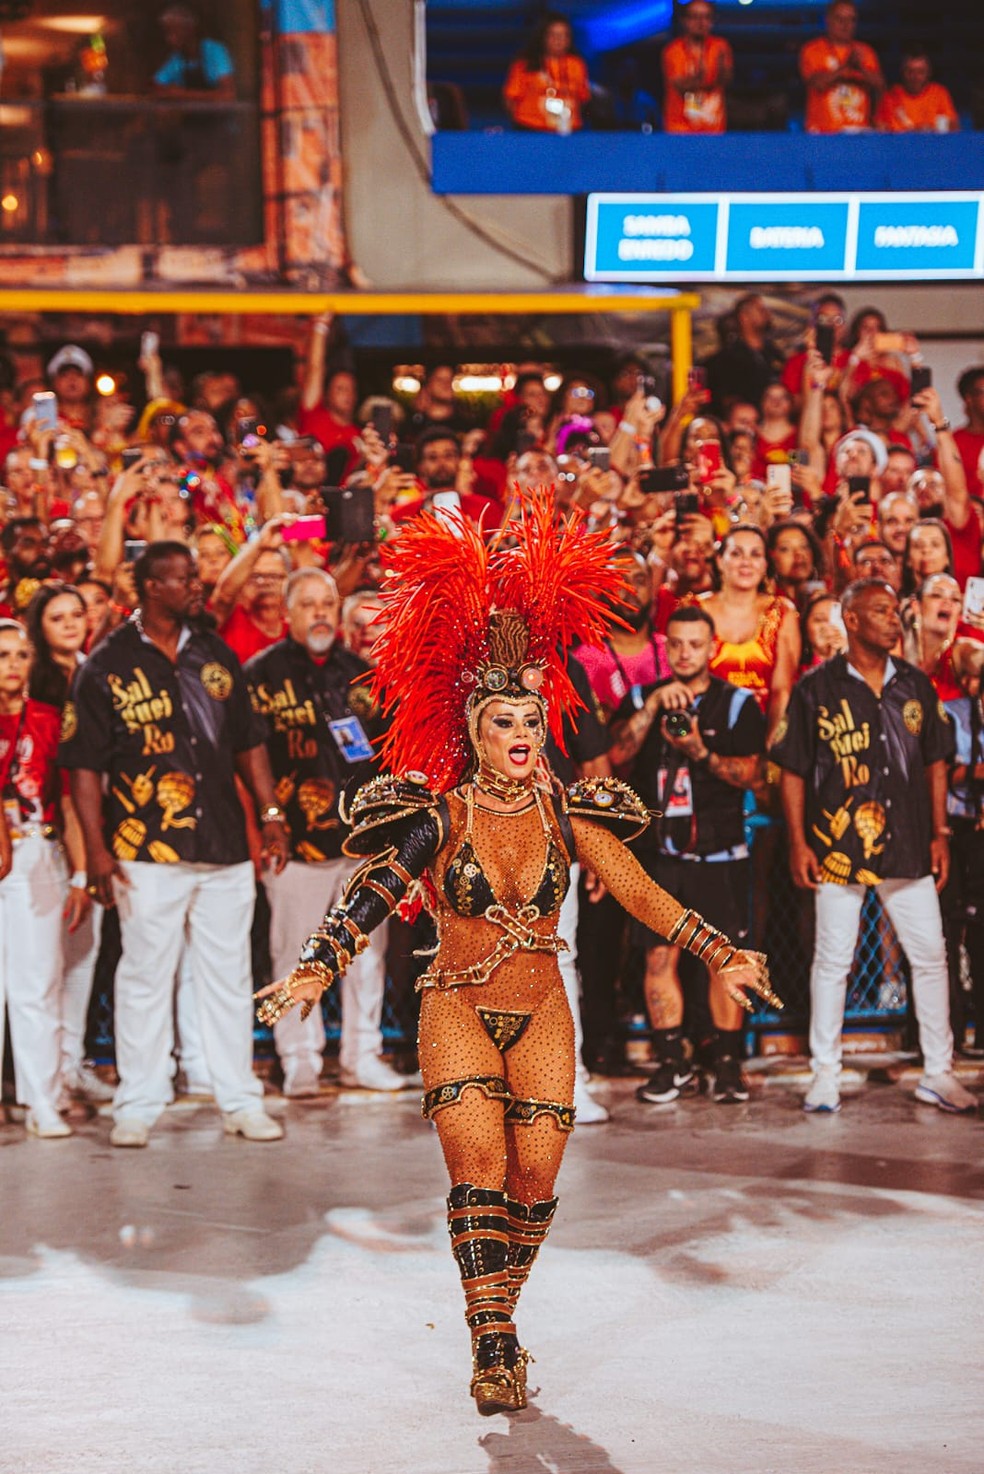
<point>350,739</point>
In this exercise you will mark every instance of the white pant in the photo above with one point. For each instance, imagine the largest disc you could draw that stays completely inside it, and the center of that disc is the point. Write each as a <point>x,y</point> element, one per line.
<point>32,899</point>
<point>189,1051</point>
<point>299,897</point>
<point>209,909</point>
<point>81,949</point>
<point>914,910</point>
<point>567,931</point>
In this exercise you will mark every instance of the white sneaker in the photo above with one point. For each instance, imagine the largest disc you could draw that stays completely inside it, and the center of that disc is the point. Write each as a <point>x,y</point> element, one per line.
<point>254,1125</point>
<point>46,1125</point>
<point>587,1110</point>
<point>85,1084</point>
<point>823,1095</point>
<point>946,1092</point>
<point>129,1132</point>
<point>301,1080</point>
<point>373,1074</point>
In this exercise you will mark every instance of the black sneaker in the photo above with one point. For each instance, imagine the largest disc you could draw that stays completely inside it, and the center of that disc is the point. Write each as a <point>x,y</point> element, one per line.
<point>671,1079</point>
<point>730,1085</point>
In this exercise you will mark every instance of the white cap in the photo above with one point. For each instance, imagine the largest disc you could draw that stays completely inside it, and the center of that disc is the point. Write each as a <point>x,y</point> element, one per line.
<point>71,356</point>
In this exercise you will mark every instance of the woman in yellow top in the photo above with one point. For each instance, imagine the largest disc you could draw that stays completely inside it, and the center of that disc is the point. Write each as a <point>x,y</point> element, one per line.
<point>471,665</point>
<point>548,84</point>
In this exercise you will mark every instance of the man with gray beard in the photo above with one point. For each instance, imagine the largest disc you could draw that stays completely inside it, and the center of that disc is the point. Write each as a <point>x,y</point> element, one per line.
<point>318,729</point>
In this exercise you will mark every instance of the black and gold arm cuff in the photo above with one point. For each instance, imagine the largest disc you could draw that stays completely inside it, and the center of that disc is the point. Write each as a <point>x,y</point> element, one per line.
<point>372,894</point>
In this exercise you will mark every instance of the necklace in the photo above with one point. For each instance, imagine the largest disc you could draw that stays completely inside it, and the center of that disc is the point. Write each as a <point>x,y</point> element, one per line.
<point>487,780</point>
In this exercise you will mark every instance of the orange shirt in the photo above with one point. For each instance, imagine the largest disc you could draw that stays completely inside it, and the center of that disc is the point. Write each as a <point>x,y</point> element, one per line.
<point>695,112</point>
<point>845,106</point>
<point>526,92</point>
<point>900,112</point>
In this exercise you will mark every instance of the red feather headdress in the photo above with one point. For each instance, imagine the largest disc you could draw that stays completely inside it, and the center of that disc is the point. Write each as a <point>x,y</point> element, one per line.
<point>444,587</point>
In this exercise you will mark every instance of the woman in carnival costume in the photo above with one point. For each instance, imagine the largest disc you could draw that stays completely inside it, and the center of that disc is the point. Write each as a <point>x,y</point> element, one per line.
<point>471,669</point>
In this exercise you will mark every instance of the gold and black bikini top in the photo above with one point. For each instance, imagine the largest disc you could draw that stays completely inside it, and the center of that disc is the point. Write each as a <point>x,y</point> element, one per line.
<point>468,889</point>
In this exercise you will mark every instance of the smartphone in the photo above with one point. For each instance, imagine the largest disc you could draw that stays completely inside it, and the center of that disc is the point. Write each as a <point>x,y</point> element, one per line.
<point>130,457</point>
<point>382,421</point>
<point>921,378</point>
<point>780,476</point>
<point>709,461</point>
<point>246,432</point>
<point>304,530</point>
<point>825,338</point>
<point>404,456</point>
<point>149,344</point>
<point>973,603</point>
<point>836,617</point>
<point>859,488</point>
<point>132,549</point>
<point>600,457</point>
<point>350,514</point>
<point>687,504</point>
<point>890,342</point>
<point>663,478</point>
<point>697,377</point>
<point>652,401</point>
<point>45,410</point>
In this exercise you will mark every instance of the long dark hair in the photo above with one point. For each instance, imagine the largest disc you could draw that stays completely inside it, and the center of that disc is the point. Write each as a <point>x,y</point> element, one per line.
<point>48,683</point>
<point>533,53</point>
<point>909,585</point>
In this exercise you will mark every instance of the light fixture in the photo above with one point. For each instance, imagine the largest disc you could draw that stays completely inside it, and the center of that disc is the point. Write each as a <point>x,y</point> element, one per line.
<point>105,385</point>
<point>10,203</point>
<point>406,384</point>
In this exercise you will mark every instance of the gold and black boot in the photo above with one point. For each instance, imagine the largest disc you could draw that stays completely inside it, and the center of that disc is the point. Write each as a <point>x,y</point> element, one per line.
<point>529,1224</point>
<point>479,1227</point>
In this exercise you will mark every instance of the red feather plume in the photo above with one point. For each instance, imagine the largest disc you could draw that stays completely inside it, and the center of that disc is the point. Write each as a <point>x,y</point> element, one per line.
<point>560,577</point>
<point>443,581</point>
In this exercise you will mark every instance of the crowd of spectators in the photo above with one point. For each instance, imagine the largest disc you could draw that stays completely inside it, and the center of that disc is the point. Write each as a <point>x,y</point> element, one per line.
<point>845,91</point>
<point>189,597</point>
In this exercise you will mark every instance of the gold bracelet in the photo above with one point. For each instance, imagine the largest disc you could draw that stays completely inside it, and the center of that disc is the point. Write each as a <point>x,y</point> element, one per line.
<point>358,937</point>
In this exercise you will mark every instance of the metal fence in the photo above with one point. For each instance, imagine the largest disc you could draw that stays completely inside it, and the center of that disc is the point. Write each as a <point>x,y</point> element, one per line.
<point>781,925</point>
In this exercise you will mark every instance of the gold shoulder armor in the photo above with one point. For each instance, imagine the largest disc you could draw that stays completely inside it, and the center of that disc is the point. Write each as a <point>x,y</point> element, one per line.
<point>610,802</point>
<point>380,810</point>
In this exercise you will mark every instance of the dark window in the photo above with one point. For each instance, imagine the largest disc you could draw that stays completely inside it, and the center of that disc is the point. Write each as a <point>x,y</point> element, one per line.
<point>118,127</point>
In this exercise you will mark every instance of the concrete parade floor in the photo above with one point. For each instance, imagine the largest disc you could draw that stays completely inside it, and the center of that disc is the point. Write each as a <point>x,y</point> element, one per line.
<point>728,1290</point>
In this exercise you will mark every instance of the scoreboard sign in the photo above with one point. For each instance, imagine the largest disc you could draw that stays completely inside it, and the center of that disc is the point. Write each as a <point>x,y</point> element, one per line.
<point>784,237</point>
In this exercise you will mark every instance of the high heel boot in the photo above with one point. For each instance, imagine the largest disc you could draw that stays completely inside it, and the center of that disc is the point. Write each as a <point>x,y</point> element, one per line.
<point>529,1224</point>
<point>479,1227</point>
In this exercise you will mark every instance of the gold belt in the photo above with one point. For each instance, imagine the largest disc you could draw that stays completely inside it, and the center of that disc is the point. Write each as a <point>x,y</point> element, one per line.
<point>32,831</point>
<point>519,937</point>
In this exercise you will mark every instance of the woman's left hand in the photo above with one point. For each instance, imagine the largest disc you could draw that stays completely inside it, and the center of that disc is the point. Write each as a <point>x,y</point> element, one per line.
<point>748,970</point>
<point>77,907</point>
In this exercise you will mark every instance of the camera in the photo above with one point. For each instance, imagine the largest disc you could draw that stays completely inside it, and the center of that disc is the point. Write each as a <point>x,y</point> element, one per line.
<point>677,723</point>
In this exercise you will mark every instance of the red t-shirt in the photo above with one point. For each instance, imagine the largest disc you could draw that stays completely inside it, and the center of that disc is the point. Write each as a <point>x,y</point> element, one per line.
<point>471,505</point>
<point>665,603</point>
<point>244,637</point>
<point>970,444</point>
<point>33,795</point>
<point>322,424</point>
<point>772,452</point>
<point>966,542</point>
<point>795,368</point>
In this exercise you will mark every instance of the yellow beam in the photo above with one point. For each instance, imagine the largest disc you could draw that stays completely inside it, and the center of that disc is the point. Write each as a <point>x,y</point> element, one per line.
<point>681,352</point>
<point>375,304</point>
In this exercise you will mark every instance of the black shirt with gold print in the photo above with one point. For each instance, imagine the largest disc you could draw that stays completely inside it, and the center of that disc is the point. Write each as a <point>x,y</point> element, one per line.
<point>864,760</point>
<point>166,736</point>
<point>320,724</point>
